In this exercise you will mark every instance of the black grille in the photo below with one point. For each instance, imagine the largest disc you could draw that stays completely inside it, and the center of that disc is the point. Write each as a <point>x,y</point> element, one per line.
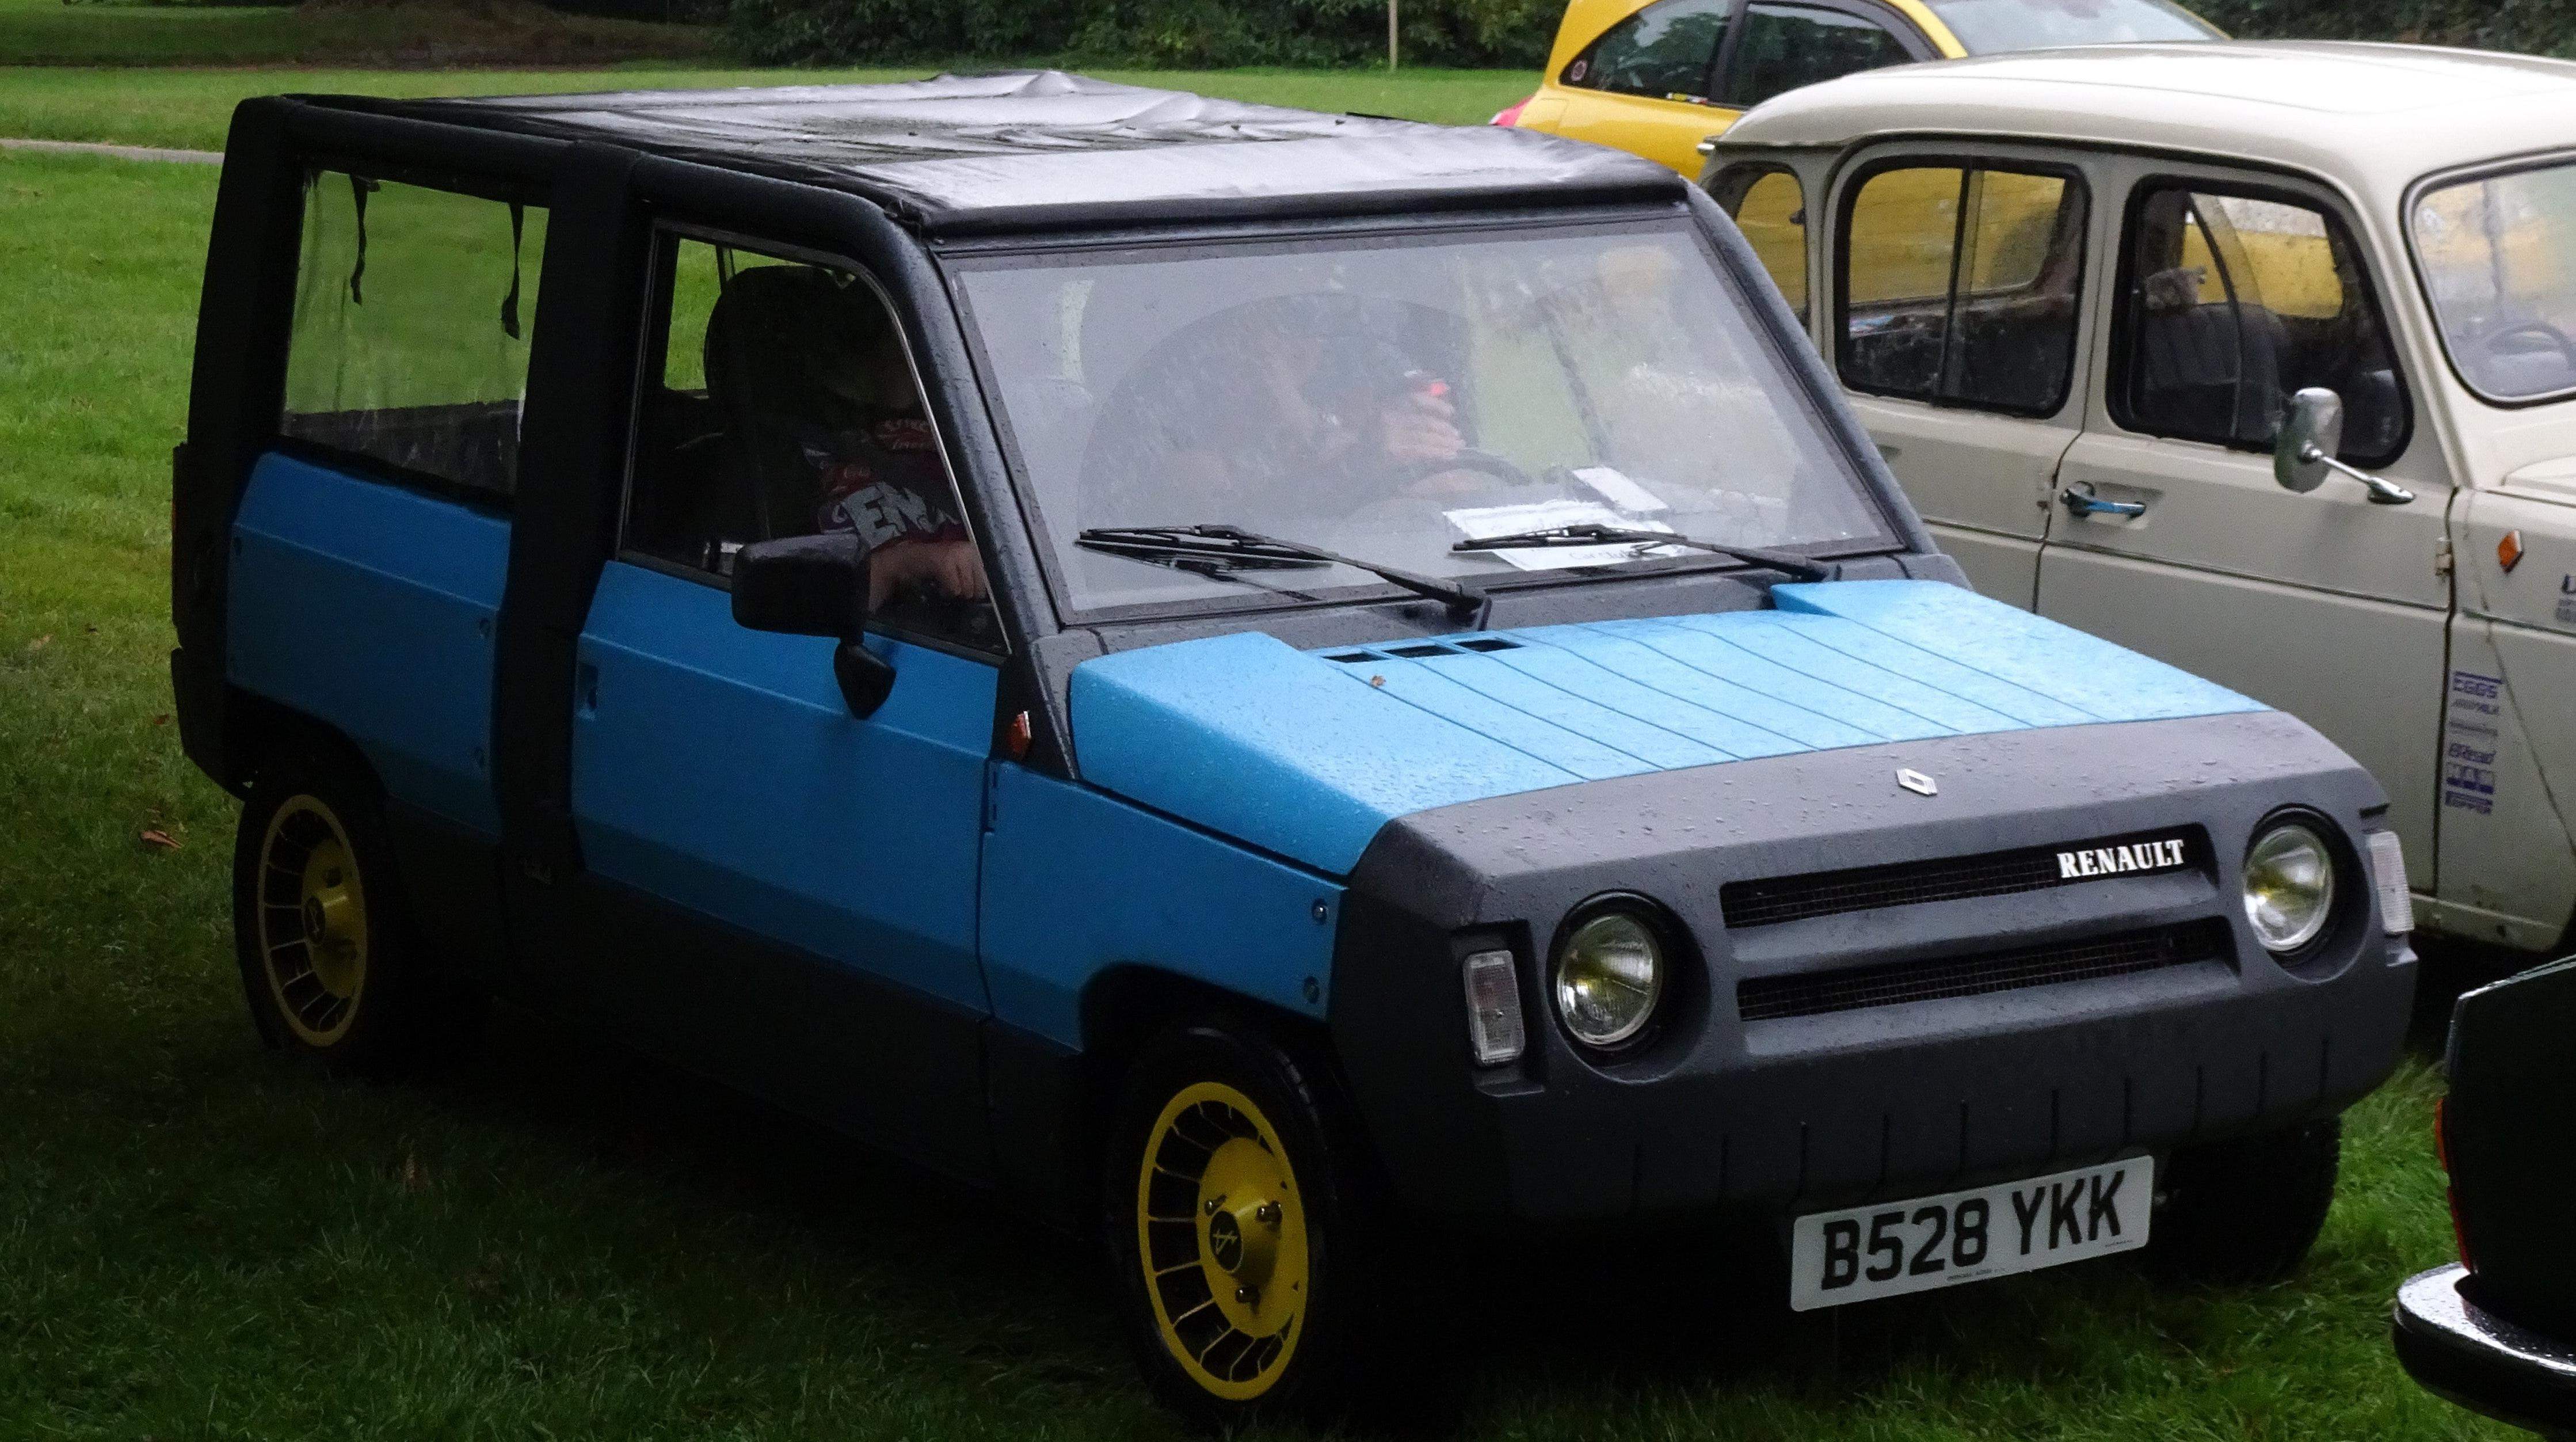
<point>1770,998</point>
<point>1773,900</point>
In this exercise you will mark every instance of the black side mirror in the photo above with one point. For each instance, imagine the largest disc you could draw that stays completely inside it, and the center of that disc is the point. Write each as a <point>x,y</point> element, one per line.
<point>802,586</point>
<point>815,586</point>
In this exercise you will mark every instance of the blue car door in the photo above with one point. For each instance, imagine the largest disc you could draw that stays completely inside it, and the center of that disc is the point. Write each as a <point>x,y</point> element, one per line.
<point>718,770</point>
<point>809,876</point>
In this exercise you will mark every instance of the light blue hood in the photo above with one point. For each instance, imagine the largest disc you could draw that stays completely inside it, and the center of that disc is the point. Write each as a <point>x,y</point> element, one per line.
<point>1306,754</point>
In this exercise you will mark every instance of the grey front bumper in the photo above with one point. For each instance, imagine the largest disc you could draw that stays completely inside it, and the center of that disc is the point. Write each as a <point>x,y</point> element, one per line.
<point>1777,1116</point>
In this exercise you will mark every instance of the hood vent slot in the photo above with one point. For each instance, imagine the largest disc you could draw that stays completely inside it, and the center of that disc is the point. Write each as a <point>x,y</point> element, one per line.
<point>1775,998</point>
<point>1421,650</point>
<point>1774,900</point>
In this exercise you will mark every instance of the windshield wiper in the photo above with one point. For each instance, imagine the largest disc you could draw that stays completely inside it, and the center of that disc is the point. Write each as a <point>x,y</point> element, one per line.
<point>1213,548</point>
<point>1593,533</point>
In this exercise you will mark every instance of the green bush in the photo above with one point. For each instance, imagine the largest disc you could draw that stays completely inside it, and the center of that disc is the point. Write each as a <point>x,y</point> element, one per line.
<point>2537,27</point>
<point>1187,34</point>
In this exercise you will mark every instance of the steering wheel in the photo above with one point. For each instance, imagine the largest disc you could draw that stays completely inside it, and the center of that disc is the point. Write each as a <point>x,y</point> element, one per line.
<point>2537,329</point>
<point>924,608</point>
<point>1414,473</point>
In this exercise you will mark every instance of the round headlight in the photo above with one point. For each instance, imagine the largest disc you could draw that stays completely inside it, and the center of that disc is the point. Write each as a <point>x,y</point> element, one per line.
<point>2289,886</point>
<point>1608,976</point>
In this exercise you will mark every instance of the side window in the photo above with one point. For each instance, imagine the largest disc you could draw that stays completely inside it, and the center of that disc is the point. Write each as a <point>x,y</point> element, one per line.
<point>1786,46</point>
<point>412,313</point>
<point>778,399</point>
<point>1771,210</point>
<point>1665,51</point>
<point>2232,302</point>
<point>1959,286</point>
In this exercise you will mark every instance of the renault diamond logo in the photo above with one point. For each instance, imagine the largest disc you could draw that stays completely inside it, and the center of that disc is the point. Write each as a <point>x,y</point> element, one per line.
<point>1918,783</point>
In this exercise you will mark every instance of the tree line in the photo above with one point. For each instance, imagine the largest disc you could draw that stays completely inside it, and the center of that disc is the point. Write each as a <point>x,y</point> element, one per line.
<point>2531,27</point>
<point>1182,34</point>
<point>1514,34</point>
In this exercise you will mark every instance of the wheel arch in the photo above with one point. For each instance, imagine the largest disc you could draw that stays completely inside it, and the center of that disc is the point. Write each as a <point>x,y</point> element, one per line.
<point>1123,1008</point>
<point>257,730</point>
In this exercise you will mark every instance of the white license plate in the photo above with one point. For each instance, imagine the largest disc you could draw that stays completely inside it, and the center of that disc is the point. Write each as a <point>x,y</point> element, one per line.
<point>1899,1247</point>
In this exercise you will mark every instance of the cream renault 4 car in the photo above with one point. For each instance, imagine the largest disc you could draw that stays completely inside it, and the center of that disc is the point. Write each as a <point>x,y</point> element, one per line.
<point>2258,358</point>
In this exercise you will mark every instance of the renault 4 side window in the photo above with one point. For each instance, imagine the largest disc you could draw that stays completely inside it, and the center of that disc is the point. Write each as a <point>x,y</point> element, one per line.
<point>413,309</point>
<point>2231,303</point>
<point>1666,51</point>
<point>1771,210</point>
<point>1959,286</point>
<point>779,400</point>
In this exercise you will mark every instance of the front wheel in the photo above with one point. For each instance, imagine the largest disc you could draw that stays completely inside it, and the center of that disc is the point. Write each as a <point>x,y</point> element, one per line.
<point>1238,1232</point>
<point>329,961</point>
<point>2247,1210</point>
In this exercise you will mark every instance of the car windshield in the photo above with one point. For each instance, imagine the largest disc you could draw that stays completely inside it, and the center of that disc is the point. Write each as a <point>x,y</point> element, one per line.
<point>1987,27</point>
<point>1387,397</point>
<point>2499,260</point>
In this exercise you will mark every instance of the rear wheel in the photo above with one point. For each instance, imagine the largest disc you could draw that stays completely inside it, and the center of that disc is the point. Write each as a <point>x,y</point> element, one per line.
<point>329,962</point>
<point>2246,1210</point>
<point>1241,1233</point>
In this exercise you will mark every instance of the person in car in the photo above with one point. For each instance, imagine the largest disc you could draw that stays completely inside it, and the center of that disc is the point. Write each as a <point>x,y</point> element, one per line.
<point>814,370</point>
<point>1286,407</point>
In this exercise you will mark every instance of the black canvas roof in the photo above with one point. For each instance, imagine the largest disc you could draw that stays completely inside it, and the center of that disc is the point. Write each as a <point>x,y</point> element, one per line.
<point>1034,148</point>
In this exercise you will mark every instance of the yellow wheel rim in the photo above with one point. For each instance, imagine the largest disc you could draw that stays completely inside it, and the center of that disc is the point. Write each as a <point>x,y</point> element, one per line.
<point>1221,1234</point>
<point>312,920</point>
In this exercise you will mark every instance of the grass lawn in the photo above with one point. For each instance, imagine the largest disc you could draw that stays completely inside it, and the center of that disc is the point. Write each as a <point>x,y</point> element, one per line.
<point>417,32</point>
<point>200,1241</point>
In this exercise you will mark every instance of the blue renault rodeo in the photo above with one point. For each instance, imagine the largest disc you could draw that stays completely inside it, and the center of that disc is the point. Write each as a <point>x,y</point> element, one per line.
<point>1261,683</point>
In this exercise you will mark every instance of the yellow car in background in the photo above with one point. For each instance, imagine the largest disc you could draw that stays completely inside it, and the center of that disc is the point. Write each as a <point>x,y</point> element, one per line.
<point>1658,77</point>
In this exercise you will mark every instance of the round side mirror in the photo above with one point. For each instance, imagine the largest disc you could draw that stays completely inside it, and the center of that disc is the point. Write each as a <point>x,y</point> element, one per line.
<point>2310,435</point>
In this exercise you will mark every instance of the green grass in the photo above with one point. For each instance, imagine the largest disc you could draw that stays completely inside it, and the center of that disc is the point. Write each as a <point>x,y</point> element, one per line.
<point>190,108</point>
<point>198,1240</point>
<point>420,32</point>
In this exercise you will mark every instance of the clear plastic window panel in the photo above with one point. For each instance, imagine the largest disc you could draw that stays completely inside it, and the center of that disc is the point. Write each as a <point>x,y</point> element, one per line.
<point>413,312</point>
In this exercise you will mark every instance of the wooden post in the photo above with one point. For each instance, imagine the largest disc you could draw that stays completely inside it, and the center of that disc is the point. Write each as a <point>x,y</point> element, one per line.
<point>1390,34</point>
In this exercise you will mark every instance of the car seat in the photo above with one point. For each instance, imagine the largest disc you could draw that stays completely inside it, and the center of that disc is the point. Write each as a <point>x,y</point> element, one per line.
<point>774,332</point>
<point>2210,371</point>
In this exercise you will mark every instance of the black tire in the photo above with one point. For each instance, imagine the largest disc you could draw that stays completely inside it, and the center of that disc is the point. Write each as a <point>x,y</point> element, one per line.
<point>1315,1350</point>
<point>2246,1211</point>
<point>330,962</point>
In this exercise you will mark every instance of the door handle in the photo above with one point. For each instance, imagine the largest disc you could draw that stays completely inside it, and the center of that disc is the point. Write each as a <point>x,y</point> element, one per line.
<point>2082,502</point>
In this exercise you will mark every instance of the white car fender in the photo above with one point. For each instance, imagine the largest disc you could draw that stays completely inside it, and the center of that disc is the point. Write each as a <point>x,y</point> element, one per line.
<point>2508,774</point>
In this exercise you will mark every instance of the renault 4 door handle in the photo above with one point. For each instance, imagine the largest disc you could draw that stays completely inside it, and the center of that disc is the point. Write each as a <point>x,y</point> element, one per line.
<point>2084,503</point>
